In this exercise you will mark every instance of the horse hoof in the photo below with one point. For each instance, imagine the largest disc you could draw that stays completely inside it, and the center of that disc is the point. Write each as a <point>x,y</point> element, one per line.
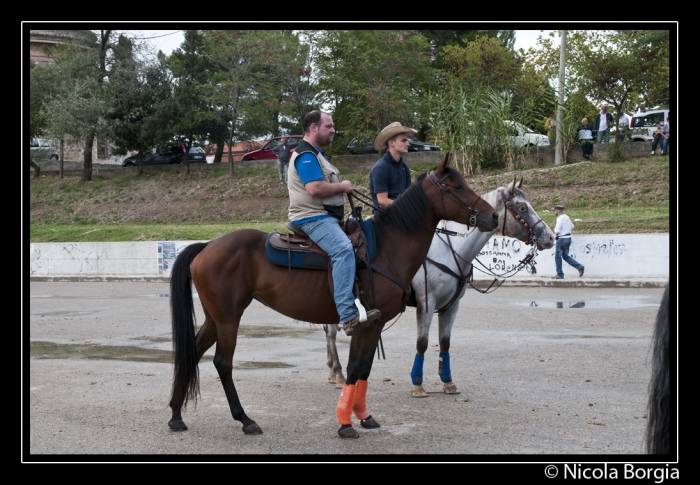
<point>178,425</point>
<point>369,423</point>
<point>347,432</point>
<point>418,391</point>
<point>450,388</point>
<point>252,429</point>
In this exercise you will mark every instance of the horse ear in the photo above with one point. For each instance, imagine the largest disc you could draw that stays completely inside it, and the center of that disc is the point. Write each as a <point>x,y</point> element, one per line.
<point>445,162</point>
<point>520,184</point>
<point>512,187</point>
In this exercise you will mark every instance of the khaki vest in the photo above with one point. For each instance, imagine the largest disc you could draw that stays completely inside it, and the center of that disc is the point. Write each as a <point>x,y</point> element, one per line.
<point>301,203</point>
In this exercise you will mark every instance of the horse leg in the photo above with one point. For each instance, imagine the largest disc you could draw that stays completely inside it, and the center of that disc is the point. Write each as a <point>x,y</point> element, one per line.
<point>336,370</point>
<point>353,396</point>
<point>223,361</point>
<point>445,321</point>
<point>204,340</point>
<point>424,320</point>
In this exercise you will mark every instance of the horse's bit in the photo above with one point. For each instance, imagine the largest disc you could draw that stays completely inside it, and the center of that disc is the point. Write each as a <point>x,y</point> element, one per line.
<point>444,189</point>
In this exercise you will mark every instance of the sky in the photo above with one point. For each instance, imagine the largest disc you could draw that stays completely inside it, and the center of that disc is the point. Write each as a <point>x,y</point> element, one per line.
<point>168,40</point>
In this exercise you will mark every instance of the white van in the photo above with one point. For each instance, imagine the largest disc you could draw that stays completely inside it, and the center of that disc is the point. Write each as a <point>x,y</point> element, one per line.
<point>643,123</point>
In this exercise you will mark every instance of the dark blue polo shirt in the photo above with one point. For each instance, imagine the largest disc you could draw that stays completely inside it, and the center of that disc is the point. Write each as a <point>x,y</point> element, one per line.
<point>389,176</point>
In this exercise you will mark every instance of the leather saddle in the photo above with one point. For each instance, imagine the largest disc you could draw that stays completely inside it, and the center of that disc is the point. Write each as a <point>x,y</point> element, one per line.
<point>296,250</point>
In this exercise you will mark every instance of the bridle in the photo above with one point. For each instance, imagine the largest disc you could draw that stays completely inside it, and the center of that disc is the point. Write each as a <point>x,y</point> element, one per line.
<point>529,239</point>
<point>445,190</point>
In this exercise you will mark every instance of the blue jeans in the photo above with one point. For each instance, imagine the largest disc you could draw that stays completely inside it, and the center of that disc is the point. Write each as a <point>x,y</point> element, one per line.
<point>330,237</point>
<point>664,146</point>
<point>562,251</point>
<point>605,132</point>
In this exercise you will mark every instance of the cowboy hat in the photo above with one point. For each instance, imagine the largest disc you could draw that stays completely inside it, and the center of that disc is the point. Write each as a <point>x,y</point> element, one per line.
<point>389,131</point>
<point>559,207</point>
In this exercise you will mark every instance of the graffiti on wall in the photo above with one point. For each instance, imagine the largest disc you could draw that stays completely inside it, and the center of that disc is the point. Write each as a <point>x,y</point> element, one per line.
<point>604,249</point>
<point>59,255</point>
<point>503,255</point>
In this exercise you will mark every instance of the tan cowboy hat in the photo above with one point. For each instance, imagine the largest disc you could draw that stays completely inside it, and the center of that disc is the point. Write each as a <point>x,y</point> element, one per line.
<point>389,131</point>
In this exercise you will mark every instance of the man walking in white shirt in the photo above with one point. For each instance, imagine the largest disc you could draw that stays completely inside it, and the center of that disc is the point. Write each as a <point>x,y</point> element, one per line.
<point>562,231</point>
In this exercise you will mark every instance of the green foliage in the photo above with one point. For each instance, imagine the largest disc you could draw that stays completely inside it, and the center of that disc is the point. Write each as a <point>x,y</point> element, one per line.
<point>474,123</point>
<point>484,63</point>
<point>371,78</point>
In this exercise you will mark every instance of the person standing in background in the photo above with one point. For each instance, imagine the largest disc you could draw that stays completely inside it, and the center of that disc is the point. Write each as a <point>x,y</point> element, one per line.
<point>551,127</point>
<point>603,122</point>
<point>562,231</point>
<point>282,151</point>
<point>666,131</point>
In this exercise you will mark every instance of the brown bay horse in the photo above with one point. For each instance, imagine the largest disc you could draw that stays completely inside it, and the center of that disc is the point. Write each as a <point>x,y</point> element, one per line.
<point>231,271</point>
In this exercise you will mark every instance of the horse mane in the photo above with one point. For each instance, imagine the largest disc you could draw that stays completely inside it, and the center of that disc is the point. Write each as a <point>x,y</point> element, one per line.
<point>406,214</point>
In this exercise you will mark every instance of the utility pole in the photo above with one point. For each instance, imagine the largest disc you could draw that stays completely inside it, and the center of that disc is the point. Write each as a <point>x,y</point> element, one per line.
<point>560,108</point>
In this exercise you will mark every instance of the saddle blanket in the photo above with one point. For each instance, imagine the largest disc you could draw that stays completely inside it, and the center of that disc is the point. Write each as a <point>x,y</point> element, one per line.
<point>307,259</point>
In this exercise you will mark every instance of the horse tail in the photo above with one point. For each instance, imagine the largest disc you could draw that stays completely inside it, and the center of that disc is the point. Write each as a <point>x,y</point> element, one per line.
<point>658,433</point>
<point>186,372</point>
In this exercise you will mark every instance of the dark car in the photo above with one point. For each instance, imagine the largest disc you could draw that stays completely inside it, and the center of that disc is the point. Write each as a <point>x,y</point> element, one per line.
<point>197,155</point>
<point>266,153</point>
<point>356,148</point>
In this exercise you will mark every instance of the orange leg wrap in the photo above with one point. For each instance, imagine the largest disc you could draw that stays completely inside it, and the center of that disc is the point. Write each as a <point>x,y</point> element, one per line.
<point>359,406</point>
<point>342,410</point>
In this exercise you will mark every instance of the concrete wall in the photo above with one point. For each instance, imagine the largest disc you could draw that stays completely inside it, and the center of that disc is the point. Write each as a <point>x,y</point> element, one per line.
<point>620,255</point>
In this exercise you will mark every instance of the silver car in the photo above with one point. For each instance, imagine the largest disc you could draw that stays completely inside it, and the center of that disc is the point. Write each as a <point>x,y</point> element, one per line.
<point>41,149</point>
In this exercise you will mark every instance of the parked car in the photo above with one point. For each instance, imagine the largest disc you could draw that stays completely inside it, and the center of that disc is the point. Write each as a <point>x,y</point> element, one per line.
<point>41,149</point>
<point>522,136</point>
<point>196,155</point>
<point>355,148</point>
<point>265,153</point>
<point>643,123</point>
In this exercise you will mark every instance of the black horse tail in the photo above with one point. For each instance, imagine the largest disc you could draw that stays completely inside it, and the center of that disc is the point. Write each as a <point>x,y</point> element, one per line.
<point>186,372</point>
<point>658,433</point>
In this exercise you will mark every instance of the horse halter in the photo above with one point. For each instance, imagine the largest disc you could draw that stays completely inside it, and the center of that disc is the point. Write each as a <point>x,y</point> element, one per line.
<point>530,239</point>
<point>444,189</point>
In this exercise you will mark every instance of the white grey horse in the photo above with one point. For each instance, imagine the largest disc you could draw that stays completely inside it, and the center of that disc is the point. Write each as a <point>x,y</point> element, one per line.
<point>448,265</point>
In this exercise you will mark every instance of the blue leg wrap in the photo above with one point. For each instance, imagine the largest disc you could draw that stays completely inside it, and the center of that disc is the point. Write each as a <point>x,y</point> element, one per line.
<point>444,368</point>
<point>417,372</point>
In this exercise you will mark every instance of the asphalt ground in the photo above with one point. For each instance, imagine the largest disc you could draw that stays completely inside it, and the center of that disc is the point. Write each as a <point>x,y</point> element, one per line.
<point>545,373</point>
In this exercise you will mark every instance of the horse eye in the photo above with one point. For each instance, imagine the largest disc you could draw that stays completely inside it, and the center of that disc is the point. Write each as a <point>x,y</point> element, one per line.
<point>458,186</point>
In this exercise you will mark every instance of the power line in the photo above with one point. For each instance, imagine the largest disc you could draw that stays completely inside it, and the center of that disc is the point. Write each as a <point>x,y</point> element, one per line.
<point>157,36</point>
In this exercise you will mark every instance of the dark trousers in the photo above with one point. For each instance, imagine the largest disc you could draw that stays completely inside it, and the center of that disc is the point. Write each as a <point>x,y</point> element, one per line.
<point>657,141</point>
<point>587,148</point>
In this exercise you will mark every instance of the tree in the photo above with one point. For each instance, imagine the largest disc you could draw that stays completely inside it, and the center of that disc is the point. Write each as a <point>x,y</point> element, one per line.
<point>484,63</point>
<point>375,77</point>
<point>239,56</point>
<point>292,66</point>
<point>138,88</point>
<point>189,114</point>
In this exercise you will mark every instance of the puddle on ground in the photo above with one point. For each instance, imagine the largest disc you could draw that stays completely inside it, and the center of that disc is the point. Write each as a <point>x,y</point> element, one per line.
<point>63,313</point>
<point>153,339</point>
<point>52,350</point>
<point>105,297</point>
<point>262,331</point>
<point>616,302</point>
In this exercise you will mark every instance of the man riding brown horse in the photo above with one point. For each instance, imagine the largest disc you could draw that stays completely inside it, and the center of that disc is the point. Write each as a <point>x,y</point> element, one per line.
<point>316,207</point>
